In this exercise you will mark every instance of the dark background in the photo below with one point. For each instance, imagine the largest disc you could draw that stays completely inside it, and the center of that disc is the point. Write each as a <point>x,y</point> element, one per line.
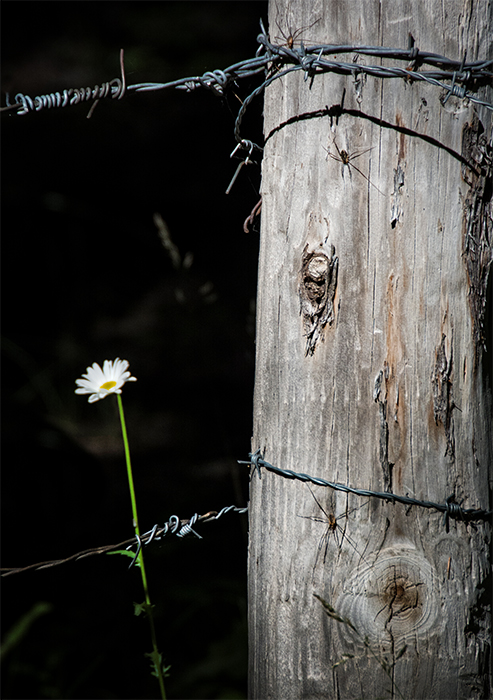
<point>86,278</point>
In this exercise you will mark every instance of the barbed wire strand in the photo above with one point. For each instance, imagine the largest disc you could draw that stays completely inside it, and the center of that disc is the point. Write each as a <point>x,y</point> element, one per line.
<point>312,60</point>
<point>113,88</point>
<point>450,509</point>
<point>175,526</point>
<point>269,60</point>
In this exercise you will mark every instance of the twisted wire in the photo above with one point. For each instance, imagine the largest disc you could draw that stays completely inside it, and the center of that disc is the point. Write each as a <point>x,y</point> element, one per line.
<point>114,88</point>
<point>72,96</point>
<point>450,509</point>
<point>175,526</point>
<point>312,60</point>
<point>275,61</point>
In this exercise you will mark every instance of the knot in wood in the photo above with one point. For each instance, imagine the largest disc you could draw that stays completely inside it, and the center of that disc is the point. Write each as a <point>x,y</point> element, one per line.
<point>316,274</point>
<point>318,268</point>
<point>393,599</point>
<point>401,596</point>
<point>317,284</point>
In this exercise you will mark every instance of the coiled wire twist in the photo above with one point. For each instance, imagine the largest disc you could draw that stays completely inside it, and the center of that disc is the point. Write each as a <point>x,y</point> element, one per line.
<point>72,96</point>
<point>174,526</point>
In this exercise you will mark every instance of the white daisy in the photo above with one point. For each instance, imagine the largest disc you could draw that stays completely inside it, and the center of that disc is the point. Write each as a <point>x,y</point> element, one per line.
<point>101,382</point>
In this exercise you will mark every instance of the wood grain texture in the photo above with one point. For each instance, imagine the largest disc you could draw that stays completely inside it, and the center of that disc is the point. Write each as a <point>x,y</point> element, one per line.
<point>391,389</point>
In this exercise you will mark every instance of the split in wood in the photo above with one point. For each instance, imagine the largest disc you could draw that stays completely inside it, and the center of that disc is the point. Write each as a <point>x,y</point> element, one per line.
<point>387,466</point>
<point>443,402</point>
<point>477,251</point>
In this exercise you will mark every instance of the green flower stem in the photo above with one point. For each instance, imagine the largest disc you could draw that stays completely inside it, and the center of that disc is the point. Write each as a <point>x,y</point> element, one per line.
<point>140,558</point>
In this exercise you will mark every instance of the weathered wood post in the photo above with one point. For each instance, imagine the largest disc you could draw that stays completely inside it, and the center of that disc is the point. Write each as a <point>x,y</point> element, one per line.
<point>371,370</point>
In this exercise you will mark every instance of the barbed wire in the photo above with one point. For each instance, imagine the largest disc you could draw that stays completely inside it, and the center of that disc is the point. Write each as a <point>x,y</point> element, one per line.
<point>174,526</point>
<point>277,60</point>
<point>312,60</point>
<point>113,88</point>
<point>183,527</point>
<point>450,509</point>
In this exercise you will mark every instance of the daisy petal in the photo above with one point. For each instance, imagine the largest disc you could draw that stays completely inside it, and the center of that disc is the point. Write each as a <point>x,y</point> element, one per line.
<point>100,382</point>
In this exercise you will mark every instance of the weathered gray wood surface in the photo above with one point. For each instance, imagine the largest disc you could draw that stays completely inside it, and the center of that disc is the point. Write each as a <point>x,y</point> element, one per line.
<point>392,392</point>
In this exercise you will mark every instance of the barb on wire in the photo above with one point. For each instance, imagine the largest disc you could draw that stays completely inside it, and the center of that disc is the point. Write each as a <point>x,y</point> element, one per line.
<point>175,526</point>
<point>450,509</point>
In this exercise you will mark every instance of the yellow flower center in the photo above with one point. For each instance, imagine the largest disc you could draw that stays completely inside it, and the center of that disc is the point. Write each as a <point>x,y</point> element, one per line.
<point>108,385</point>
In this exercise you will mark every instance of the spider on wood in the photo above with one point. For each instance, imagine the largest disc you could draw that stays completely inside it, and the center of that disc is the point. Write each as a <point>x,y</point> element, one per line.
<point>346,159</point>
<point>293,35</point>
<point>333,528</point>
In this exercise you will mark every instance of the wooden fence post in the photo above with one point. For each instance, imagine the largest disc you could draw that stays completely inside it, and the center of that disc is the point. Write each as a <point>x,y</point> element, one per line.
<point>376,244</point>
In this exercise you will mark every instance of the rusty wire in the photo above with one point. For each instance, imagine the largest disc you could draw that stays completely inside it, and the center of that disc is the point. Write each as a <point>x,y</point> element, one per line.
<point>175,526</point>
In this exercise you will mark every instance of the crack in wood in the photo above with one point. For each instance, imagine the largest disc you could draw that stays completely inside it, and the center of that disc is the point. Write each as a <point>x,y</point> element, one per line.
<point>402,598</point>
<point>443,402</point>
<point>383,443</point>
<point>477,226</point>
<point>397,206</point>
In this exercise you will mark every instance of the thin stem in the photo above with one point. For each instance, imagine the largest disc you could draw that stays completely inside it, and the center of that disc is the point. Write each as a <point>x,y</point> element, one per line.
<point>140,558</point>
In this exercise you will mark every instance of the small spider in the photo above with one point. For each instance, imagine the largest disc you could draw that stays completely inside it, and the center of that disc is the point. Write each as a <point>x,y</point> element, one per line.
<point>293,35</point>
<point>346,159</point>
<point>333,528</point>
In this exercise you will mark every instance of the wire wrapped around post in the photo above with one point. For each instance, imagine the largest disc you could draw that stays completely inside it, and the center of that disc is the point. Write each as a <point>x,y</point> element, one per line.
<point>450,509</point>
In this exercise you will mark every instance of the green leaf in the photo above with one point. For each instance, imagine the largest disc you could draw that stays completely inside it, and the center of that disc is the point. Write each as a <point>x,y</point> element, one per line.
<point>14,636</point>
<point>156,663</point>
<point>140,608</point>
<point>126,553</point>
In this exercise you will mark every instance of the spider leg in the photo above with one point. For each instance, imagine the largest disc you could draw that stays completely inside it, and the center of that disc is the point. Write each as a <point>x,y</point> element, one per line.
<point>297,32</point>
<point>325,538</point>
<point>367,179</point>
<point>329,154</point>
<point>313,23</point>
<point>336,537</point>
<point>338,151</point>
<point>357,154</point>
<point>343,158</point>
<point>339,160</point>
<point>283,36</point>
<point>344,535</point>
<point>318,504</point>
